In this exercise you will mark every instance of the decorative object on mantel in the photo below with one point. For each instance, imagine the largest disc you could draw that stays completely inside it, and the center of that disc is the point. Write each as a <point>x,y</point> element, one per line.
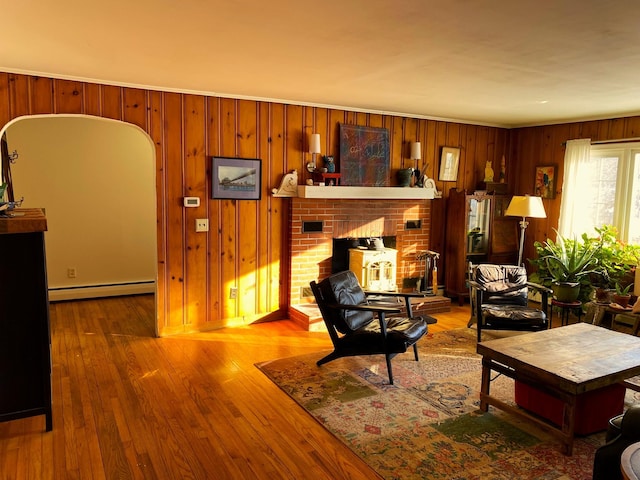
<point>404,177</point>
<point>288,186</point>
<point>364,156</point>
<point>330,164</point>
<point>314,148</point>
<point>416,154</point>
<point>430,183</point>
<point>449,162</point>
<point>503,170</point>
<point>327,179</point>
<point>488,172</point>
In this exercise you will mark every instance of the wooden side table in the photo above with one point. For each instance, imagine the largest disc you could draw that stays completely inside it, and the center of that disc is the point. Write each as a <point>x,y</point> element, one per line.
<point>630,462</point>
<point>565,309</point>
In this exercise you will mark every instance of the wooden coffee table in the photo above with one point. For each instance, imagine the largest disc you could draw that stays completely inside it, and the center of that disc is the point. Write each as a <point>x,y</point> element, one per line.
<point>564,362</point>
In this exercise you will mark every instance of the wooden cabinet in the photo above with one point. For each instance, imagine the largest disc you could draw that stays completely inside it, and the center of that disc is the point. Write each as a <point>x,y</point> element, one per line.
<point>25,342</point>
<point>477,231</point>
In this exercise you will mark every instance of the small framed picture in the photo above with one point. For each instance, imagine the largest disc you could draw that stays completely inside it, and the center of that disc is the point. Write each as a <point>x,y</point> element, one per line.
<point>449,162</point>
<point>236,178</point>
<point>545,182</point>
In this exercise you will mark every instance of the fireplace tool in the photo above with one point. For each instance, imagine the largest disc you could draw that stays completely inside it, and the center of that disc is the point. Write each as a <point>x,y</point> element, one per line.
<point>428,256</point>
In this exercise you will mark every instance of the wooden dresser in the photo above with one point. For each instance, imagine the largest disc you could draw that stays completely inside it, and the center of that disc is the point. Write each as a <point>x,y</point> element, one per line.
<point>25,340</point>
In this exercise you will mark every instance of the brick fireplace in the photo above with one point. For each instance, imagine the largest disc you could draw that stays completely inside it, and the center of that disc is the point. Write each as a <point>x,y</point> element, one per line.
<point>316,222</point>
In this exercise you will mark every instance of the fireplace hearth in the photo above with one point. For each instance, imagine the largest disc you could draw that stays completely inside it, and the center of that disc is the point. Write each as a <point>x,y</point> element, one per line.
<point>340,222</point>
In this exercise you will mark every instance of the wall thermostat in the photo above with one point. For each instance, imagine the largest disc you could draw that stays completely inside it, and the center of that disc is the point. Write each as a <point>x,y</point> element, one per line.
<point>191,201</point>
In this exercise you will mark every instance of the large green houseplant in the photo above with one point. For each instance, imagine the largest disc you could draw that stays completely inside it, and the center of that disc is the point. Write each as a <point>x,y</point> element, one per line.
<point>566,264</point>
<point>612,261</point>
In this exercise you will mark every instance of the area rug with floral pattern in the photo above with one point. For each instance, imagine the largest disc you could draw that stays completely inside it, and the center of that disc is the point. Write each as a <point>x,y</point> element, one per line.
<point>428,424</point>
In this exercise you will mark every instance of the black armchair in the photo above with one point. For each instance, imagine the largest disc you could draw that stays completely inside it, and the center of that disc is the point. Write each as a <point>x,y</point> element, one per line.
<point>623,431</point>
<point>500,299</point>
<point>350,320</point>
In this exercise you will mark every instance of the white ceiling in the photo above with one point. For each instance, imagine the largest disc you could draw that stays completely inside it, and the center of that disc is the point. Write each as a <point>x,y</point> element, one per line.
<point>494,62</point>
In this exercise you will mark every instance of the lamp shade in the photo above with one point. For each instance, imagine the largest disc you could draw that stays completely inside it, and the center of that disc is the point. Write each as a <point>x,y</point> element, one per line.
<point>526,206</point>
<point>314,143</point>
<point>416,151</point>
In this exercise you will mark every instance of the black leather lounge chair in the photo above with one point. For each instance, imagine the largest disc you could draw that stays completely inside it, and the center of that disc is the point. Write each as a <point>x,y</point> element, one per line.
<point>501,299</point>
<point>350,317</point>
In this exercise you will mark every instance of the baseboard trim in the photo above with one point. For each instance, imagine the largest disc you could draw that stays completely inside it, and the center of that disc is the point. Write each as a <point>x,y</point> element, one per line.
<point>97,291</point>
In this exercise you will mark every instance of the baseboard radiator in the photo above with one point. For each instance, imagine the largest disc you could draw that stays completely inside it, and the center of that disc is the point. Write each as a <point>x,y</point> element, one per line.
<point>96,291</point>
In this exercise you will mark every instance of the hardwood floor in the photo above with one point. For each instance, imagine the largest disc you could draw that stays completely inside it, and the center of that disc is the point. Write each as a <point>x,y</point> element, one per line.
<point>127,405</point>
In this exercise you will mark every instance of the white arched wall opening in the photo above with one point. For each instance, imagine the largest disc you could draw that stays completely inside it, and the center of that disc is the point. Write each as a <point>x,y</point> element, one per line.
<point>95,178</point>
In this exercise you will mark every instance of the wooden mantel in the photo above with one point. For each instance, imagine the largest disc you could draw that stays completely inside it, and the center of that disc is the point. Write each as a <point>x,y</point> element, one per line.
<point>365,193</point>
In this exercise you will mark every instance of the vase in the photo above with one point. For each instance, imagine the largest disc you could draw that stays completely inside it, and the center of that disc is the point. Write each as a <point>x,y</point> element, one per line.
<point>622,300</point>
<point>566,292</point>
<point>404,177</point>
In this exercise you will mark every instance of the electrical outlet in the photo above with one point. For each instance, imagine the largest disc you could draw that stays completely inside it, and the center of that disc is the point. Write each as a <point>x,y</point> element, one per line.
<point>72,272</point>
<point>202,224</point>
<point>233,292</point>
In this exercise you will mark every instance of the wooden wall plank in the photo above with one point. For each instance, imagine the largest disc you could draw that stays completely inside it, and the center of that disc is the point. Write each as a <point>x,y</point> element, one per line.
<point>214,290</point>
<point>135,107</point>
<point>69,96</point>
<point>19,95</point>
<point>5,99</point>
<point>197,244</point>
<point>249,234</point>
<point>112,102</point>
<point>173,164</point>
<point>156,132</point>
<point>277,244</point>
<point>229,219</point>
<point>41,89</point>
<point>93,99</point>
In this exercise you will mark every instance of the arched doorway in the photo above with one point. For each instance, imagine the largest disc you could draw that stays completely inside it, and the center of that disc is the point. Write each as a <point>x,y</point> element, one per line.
<point>96,179</point>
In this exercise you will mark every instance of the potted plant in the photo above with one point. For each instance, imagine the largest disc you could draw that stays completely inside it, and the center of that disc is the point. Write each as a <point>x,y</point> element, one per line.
<point>622,295</point>
<point>565,264</point>
<point>617,260</point>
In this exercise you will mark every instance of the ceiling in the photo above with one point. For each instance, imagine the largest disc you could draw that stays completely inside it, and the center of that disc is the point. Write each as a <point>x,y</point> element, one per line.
<point>492,62</point>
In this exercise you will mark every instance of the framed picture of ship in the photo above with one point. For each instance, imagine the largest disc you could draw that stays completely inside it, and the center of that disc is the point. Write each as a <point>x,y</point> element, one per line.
<point>236,178</point>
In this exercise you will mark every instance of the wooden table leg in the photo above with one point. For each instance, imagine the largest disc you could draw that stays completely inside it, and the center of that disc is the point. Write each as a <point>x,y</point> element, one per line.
<point>486,383</point>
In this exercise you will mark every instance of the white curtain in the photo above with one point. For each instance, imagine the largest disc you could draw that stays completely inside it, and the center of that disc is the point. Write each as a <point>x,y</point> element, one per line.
<point>574,187</point>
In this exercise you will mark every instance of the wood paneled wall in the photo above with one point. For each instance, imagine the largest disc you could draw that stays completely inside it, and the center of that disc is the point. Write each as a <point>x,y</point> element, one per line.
<point>248,244</point>
<point>544,145</point>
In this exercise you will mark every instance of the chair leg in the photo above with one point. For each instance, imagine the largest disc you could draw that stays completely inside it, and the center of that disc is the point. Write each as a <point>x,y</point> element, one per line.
<point>332,356</point>
<point>388,357</point>
<point>415,351</point>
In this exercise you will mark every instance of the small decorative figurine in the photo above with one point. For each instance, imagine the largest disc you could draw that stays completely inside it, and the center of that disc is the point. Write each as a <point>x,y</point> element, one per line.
<point>488,172</point>
<point>288,185</point>
<point>503,170</point>
<point>331,167</point>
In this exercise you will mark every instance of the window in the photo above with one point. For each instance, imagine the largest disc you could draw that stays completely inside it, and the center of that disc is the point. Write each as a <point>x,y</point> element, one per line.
<point>610,187</point>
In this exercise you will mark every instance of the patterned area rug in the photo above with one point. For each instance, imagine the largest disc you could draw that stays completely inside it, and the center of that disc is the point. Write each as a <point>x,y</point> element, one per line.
<point>428,424</point>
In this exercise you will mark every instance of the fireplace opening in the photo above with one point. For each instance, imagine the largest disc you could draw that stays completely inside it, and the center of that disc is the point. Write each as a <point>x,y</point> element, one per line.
<point>341,246</point>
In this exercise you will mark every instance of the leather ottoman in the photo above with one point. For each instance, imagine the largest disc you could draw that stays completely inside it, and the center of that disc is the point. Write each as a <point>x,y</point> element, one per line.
<point>593,409</point>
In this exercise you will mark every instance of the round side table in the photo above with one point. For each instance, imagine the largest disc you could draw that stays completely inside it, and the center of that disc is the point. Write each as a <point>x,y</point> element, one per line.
<point>630,462</point>
<point>565,309</point>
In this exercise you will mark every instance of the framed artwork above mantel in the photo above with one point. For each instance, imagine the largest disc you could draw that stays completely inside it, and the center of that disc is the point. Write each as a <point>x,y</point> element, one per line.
<point>364,156</point>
